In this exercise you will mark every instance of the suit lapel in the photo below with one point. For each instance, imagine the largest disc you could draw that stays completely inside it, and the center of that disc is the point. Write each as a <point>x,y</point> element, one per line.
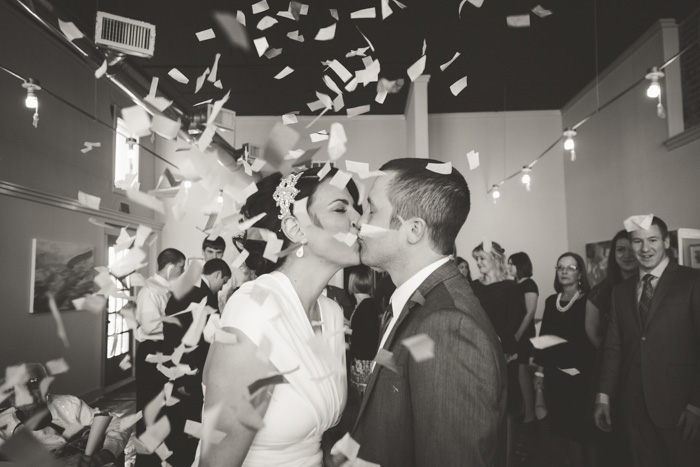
<point>441,274</point>
<point>632,297</point>
<point>661,289</point>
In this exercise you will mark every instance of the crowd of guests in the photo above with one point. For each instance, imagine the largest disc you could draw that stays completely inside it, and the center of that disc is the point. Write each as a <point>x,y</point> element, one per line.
<point>618,381</point>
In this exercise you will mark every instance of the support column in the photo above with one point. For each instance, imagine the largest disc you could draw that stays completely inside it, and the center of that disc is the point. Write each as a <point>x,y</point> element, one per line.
<point>417,118</point>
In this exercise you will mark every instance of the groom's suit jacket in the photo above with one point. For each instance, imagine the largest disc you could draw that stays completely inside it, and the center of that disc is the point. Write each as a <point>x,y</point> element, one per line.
<point>446,411</point>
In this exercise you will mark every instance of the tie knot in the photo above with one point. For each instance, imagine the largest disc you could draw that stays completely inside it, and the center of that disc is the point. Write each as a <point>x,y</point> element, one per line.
<point>647,278</point>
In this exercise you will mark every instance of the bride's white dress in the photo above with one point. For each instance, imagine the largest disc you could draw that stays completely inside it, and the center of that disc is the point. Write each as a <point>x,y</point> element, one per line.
<point>313,401</point>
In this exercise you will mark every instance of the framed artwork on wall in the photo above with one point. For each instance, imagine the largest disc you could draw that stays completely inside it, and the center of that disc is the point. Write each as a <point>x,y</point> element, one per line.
<point>694,253</point>
<point>689,247</point>
<point>61,268</point>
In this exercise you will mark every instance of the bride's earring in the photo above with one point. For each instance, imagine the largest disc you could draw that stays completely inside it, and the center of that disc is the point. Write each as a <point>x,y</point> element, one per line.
<point>300,251</point>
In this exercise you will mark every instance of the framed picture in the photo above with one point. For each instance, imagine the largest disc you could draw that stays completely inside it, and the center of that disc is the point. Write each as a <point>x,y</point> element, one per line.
<point>694,253</point>
<point>597,261</point>
<point>61,268</point>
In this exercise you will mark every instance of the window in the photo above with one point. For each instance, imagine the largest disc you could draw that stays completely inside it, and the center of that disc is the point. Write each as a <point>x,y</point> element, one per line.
<point>126,158</point>
<point>118,334</point>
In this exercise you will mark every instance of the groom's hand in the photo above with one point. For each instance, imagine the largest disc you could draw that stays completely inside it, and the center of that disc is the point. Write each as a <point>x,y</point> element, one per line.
<point>601,414</point>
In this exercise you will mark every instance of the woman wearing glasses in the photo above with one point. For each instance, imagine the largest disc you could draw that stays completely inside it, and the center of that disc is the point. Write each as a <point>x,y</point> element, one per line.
<point>567,367</point>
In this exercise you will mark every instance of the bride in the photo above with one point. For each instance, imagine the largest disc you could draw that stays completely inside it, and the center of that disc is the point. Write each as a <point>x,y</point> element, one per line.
<point>281,323</point>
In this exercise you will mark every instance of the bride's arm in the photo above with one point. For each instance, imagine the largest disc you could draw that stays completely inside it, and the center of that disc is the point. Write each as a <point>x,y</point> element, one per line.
<point>227,373</point>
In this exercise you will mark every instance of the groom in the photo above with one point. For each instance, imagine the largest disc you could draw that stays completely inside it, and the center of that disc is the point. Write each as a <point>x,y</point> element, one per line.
<point>448,410</point>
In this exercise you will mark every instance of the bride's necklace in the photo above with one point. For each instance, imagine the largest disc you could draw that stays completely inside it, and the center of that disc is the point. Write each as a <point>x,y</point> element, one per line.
<point>568,305</point>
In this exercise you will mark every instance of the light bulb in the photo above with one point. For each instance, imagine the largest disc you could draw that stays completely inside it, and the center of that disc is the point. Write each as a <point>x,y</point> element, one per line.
<point>573,156</point>
<point>31,102</point>
<point>495,193</point>
<point>654,90</point>
<point>220,198</point>
<point>569,141</point>
<point>188,185</point>
<point>526,176</point>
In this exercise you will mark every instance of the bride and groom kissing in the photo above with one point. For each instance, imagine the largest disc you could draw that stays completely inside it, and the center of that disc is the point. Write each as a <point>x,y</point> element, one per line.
<point>448,410</point>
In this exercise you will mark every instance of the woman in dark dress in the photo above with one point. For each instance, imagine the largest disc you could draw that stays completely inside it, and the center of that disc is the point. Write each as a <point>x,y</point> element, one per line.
<point>364,322</point>
<point>567,367</point>
<point>505,307</point>
<point>610,449</point>
<point>520,268</point>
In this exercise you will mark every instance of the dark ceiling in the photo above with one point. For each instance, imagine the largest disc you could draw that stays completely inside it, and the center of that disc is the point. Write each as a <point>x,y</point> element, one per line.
<point>540,67</point>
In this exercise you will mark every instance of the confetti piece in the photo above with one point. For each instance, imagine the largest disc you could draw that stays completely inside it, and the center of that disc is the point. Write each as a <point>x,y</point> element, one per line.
<point>473,159</point>
<point>137,120</point>
<point>476,3</point>
<point>261,45</point>
<point>401,5</point>
<point>200,80</point>
<point>194,429</point>
<point>334,13</point>
<point>70,30</point>
<point>60,328</point>
<point>295,36</point>
<point>357,167</point>
<point>272,53</point>
<point>439,168</point>
<point>56,367</point>
<point>146,200</point>
<point>165,127</point>
<point>285,72</point>
<point>541,12</point>
<point>425,47</point>
<point>260,7</point>
<point>421,347</point>
<point>205,35</point>
<point>347,447</point>
<point>642,222</point>
<point>233,28</point>
<point>187,281</point>
<point>518,21</point>
<point>570,371</point>
<point>100,72</point>
<point>326,34</point>
<point>365,13</point>
<point>340,179</point>
<point>88,146</point>
<point>357,52</point>
<point>90,201</point>
<point>155,434</point>
<point>290,118</point>
<point>340,70</point>
<point>369,230</point>
<point>125,364</point>
<point>544,342</point>
<point>272,249</point>
<point>444,66</point>
<point>177,75</point>
<point>386,9</point>
<point>266,22</point>
<point>214,69</point>
<point>355,111</point>
<point>348,238</point>
<point>366,40</point>
<point>324,171</point>
<point>386,359</point>
<point>336,142</point>
<point>319,136</point>
<point>415,70</point>
<point>127,421</point>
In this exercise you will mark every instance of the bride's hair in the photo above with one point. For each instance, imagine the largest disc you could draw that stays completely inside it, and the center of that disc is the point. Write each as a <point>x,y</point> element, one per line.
<point>262,201</point>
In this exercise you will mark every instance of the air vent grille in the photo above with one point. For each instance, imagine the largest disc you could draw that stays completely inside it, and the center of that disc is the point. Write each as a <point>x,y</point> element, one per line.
<point>125,35</point>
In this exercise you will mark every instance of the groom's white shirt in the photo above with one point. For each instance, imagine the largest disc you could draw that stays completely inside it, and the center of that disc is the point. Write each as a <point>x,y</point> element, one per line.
<point>405,291</point>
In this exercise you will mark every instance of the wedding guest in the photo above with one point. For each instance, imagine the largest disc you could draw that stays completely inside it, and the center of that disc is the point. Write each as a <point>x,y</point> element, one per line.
<point>567,367</point>
<point>213,248</point>
<point>63,412</point>
<point>609,449</point>
<point>652,353</point>
<point>505,306</point>
<point>463,266</point>
<point>520,268</point>
<point>281,322</point>
<point>621,265</point>
<point>364,323</point>
<point>150,308</point>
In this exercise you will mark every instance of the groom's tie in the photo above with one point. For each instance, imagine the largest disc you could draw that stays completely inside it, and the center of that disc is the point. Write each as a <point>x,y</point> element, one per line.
<point>386,319</point>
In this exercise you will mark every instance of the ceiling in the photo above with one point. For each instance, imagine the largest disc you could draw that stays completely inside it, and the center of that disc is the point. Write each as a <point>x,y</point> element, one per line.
<point>539,67</point>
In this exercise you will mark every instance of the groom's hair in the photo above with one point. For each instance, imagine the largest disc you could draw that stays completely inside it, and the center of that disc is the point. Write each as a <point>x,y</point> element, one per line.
<point>442,201</point>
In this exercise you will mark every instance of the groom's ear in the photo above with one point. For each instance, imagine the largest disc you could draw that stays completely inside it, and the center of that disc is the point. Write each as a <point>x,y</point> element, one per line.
<point>292,229</point>
<point>417,229</point>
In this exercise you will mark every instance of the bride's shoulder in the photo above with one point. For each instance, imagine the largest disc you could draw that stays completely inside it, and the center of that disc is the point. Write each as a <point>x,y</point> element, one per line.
<point>253,302</point>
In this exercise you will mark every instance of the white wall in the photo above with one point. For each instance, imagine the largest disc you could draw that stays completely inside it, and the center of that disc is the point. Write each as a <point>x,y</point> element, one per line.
<point>533,222</point>
<point>623,167</point>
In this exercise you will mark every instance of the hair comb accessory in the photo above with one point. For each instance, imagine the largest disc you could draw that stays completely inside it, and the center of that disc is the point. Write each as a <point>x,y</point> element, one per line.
<point>285,193</point>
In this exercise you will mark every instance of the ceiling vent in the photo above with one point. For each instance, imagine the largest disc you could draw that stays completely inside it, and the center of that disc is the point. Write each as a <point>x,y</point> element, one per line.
<point>125,35</point>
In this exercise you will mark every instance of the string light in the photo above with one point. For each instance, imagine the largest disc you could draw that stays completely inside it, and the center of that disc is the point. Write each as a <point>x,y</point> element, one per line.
<point>220,198</point>
<point>188,185</point>
<point>32,101</point>
<point>526,179</point>
<point>131,142</point>
<point>654,89</point>
<point>495,193</point>
<point>569,144</point>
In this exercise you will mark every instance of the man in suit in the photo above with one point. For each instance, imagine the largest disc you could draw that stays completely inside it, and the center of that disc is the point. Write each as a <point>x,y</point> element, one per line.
<point>652,353</point>
<point>188,388</point>
<point>448,410</point>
